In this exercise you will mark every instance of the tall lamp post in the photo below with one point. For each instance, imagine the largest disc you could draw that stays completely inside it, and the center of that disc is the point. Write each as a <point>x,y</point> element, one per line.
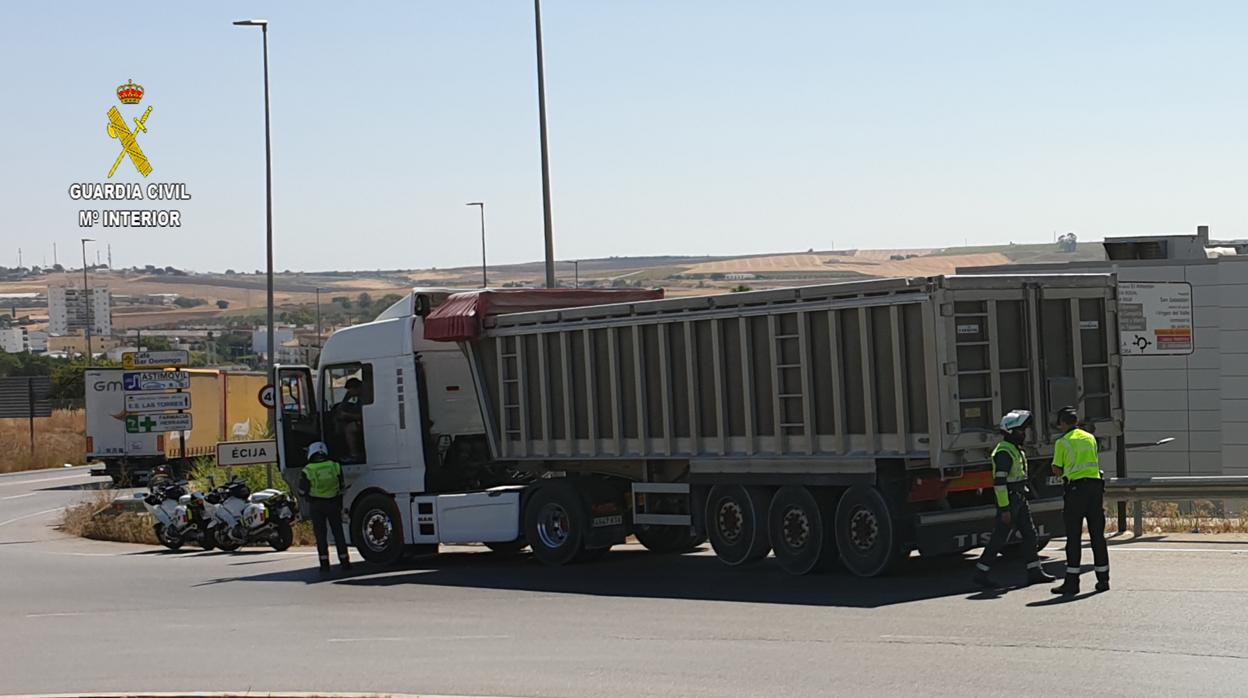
<point>268,234</point>
<point>268,193</point>
<point>485,279</point>
<point>318,325</point>
<point>86,297</point>
<point>541,114</point>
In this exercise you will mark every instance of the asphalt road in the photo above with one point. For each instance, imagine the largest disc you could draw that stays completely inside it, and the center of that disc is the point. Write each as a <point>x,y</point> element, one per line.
<point>86,616</point>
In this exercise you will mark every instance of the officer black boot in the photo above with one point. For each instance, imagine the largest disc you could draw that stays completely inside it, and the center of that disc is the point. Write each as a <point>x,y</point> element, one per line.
<point>1070,587</point>
<point>1102,581</point>
<point>1037,575</point>
<point>324,565</point>
<point>345,563</point>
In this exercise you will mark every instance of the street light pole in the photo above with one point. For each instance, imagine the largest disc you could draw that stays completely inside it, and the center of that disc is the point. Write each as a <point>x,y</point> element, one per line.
<point>541,113</point>
<point>576,273</point>
<point>268,202</point>
<point>268,196</point>
<point>485,279</point>
<point>86,297</point>
<point>318,324</point>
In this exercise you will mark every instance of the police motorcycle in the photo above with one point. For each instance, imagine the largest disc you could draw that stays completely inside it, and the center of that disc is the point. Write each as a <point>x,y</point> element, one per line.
<point>242,517</point>
<point>179,516</point>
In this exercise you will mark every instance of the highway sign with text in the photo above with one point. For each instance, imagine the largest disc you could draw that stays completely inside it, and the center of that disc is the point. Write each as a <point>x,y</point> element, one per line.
<point>157,402</point>
<point>155,359</point>
<point>1155,318</point>
<point>142,381</point>
<point>156,423</point>
<point>246,452</point>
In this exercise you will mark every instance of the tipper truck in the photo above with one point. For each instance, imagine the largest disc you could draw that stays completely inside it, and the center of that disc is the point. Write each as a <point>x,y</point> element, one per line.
<point>846,424</point>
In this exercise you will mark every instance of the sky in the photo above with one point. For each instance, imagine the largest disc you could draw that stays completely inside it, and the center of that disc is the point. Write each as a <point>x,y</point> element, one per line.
<point>676,127</point>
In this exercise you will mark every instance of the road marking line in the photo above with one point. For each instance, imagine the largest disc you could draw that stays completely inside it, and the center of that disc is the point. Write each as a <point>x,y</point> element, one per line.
<point>19,496</point>
<point>53,615</point>
<point>31,516</point>
<point>370,639</point>
<point>1115,550</point>
<point>46,479</point>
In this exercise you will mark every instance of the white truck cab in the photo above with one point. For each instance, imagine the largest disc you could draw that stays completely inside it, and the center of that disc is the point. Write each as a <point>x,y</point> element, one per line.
<point>400,414</point>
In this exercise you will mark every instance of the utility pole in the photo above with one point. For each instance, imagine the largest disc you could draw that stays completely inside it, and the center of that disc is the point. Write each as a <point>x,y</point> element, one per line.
<point>86,298</point>
<point>541,113</point>
<point>19,258</point>
<point>54,262</point>
<point>110,256</point>
<point>576,273</point>
<point>318,325</point>
<point>485,280</point>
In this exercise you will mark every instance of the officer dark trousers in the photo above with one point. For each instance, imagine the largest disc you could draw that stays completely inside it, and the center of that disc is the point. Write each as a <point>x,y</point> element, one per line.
<point>326,518</point>
<point>1085,499</point>
<point>1020,513</point>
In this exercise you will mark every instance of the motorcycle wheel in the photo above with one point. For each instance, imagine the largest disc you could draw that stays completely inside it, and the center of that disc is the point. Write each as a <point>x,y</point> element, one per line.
<point>207,540</point>
<point>282,537</point>
<point>167,538</point>
<point>223,543</point>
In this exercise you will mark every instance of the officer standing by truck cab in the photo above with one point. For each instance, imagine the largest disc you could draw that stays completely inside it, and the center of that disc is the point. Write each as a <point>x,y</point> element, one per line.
<point>1009,486</point>
<point>1075,458</point>
<point>322,484</point>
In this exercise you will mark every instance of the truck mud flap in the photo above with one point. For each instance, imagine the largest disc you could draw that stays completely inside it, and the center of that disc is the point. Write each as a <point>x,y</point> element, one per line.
<point>948,532</point>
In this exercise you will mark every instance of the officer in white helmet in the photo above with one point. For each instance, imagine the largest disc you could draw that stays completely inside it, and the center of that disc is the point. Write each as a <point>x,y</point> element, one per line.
<point>1009,488</point>
<point>322,484</point>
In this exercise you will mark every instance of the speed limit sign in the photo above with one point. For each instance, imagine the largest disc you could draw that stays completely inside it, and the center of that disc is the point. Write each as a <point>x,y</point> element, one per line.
<point>268,396</point>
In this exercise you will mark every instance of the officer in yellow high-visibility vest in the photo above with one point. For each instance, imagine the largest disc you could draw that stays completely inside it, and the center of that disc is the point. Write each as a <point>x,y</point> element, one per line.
<point>321,483</point>
<point>1009,487</point>
<point>1075,458</point>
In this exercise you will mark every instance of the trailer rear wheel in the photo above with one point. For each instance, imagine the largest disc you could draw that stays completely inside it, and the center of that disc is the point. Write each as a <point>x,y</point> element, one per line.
<point>736,523</point>
<point>555,520</point>
<point>377,529</point>
<point>866,532</point>
<point>669,540</point>
<point>800,535</point>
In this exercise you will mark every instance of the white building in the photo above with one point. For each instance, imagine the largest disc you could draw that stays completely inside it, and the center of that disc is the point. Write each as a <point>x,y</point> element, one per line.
<point>15,340</point>
<point>259,338</point>
<point>70,309</point>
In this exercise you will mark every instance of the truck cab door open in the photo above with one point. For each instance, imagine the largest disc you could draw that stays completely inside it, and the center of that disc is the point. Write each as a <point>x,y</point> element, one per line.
<point>298,421</point>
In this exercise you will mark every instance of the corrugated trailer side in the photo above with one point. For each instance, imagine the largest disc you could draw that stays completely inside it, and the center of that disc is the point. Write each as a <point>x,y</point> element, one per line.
<point>916,370</point>
<point>750,375</point>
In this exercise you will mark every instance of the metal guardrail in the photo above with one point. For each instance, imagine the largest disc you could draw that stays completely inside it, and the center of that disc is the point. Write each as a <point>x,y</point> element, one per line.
<point>1176,488</point>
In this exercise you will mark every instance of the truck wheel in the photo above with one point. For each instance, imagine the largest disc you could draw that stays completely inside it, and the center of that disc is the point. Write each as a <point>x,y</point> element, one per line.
<point>736,523</point>
<point>377,529</point>
<point>866,534</point>
<point>555,520</point>
<point>800,536</point>
<point>669,540</point>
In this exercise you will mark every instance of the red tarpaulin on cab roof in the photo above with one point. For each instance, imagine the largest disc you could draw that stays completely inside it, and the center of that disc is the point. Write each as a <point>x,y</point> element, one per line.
<point>460,318</point>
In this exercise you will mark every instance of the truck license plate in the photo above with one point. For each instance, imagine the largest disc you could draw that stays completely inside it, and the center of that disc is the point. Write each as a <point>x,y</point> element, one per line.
<point>1054,481</point>
<point>600,521</point>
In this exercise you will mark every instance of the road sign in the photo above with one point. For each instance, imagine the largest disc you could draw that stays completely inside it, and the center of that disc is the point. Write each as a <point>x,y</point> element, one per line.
<point>246,452</point>
<point>155,423</point>
<point>267,397</point>
<point>139,403</point>
<point>1155,319</point>
<point>144,381</point>
<point>155,359</point>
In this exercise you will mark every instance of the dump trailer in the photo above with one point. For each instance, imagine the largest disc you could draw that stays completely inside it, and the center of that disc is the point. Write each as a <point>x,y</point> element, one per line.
<point>845,424</point>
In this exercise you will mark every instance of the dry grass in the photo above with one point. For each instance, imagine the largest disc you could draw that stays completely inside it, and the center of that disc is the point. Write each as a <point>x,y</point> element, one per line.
<point>59,439</point>
<point>1200,516</point>
<point>98,519</point>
